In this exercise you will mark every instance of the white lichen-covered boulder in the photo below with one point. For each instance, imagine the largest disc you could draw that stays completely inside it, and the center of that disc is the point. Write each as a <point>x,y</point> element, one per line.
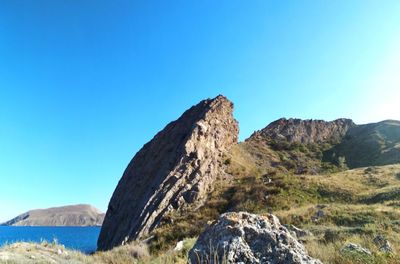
<point>248,238</point>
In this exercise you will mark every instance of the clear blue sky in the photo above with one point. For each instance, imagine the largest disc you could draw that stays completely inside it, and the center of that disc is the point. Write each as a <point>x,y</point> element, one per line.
<point>84,84</point>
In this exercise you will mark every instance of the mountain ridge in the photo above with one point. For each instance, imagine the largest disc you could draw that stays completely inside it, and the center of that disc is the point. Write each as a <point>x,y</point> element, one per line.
<point>306,131</point>
<point>173,175</point>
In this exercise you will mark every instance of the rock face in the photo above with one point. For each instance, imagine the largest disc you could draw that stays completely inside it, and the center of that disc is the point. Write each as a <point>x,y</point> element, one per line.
<point>305,131</point>
<point>248,238</point>
<point>174,171</point>
<point>71,215</point>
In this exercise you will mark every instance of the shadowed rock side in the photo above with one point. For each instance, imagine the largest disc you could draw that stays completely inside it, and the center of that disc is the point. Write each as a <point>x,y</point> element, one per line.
<point>304,131</point>
<point>248,238</point>
<point>71,215</point>
<point>175,170</point>
<point>369,145</point>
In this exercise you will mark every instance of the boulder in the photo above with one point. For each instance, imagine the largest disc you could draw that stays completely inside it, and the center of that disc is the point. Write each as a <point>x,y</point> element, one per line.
<point>173,172</point>
<point>383,244</point>
<point>354,249</point>
<point>297,232</point>
<point>248,238</point>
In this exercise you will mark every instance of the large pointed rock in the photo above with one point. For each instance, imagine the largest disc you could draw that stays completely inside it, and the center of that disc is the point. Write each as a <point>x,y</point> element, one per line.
<point>174,171</point>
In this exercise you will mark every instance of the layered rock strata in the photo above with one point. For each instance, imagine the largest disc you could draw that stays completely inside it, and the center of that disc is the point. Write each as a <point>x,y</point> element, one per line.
<point>174,171</point>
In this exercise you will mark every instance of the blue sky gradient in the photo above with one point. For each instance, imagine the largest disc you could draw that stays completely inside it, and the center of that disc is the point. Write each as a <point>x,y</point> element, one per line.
<point>84,84</point>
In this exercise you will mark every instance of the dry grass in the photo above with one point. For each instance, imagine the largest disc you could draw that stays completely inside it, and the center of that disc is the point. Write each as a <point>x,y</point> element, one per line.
<point>257,187</point>
<point>351,219</point>
<point>45,252</point>
<point>136,253</point>
<point>296,200</point>
<point>331,252</point>
<point>133,252</point>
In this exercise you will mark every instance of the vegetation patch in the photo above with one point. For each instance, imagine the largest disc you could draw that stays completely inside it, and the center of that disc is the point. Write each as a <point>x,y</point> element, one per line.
<point>382,197</point>
<point>337,207</point>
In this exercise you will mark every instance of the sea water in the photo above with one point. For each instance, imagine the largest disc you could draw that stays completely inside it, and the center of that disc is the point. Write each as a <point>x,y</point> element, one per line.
<point>79,238</point>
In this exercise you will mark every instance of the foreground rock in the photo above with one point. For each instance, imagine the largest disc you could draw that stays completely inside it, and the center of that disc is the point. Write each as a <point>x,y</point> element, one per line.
<point>248,238</point>
<point>383,244</point>
<point>174,171</point>
<point>71,215</point>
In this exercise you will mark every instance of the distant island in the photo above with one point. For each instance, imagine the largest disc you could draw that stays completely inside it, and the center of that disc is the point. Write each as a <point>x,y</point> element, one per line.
<point>71,215</point>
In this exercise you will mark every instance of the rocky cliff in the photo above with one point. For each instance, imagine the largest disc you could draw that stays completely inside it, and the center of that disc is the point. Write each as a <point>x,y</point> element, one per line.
<point>304,131</point>
<point>71,215</point>
<point>174,171</point>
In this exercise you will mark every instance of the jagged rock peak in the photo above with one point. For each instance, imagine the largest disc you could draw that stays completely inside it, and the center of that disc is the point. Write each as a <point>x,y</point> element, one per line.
<point>305,131</point>
<point>174,171</point>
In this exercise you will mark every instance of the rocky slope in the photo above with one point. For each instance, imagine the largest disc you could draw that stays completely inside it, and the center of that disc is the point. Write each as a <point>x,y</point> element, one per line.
<point>72,215</point>
<point>304,131</point>
<point>295,145</point>
<point>314,146</point>
<point>175,170</point>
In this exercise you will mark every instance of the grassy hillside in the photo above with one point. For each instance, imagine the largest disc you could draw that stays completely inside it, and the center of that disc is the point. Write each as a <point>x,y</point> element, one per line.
<point>368,145</point>
<point>283,156</point>
<point>363,145</point>
<point>347,206</point>
<point>339,207</point>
